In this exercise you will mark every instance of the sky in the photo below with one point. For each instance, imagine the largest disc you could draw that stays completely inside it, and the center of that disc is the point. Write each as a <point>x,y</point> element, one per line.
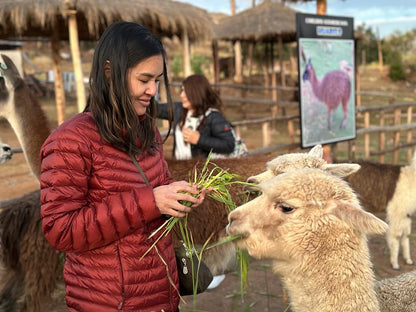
<point>386,16</point>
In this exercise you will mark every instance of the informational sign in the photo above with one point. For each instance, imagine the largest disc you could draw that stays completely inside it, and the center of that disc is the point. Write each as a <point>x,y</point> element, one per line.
<point>326,54</point>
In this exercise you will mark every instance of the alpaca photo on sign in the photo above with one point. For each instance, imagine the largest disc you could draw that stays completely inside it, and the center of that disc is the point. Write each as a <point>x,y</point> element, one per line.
<point>326,75</point>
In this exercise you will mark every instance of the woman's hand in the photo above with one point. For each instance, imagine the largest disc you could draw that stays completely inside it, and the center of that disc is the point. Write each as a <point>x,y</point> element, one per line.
<point>190,136</point>
<point>167,198</point>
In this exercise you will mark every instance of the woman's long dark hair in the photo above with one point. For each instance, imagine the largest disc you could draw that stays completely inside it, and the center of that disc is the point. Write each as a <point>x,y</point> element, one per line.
<point>201,96</point>
<point>123,45</point>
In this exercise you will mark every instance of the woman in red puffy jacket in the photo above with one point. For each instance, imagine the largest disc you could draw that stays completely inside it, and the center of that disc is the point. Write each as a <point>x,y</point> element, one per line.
<point>96,206</point>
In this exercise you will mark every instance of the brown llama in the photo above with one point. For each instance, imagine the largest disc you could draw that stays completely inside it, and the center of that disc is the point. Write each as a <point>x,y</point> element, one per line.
<point>13,90</point>
<point>31,265</point>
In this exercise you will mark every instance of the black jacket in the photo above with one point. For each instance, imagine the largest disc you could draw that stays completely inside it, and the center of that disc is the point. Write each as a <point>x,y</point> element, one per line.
<point>215,134</point>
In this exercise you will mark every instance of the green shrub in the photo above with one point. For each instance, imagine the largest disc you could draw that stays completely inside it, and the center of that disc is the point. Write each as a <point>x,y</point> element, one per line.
<point>394,59</point>
<point>198,62</point>
<point>176,65</point>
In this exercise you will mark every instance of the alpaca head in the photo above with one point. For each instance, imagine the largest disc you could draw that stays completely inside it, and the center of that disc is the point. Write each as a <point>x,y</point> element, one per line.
<point>10,80</point>
<point>312,159</point>
<point>300,211</point>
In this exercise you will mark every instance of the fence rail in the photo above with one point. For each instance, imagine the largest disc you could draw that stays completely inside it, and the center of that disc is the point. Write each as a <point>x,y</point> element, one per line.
<point>381,130</point>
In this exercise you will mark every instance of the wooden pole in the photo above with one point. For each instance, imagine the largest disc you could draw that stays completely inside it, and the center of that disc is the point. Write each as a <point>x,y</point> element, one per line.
<point>396,141</point>
<point>382,138</point>
<point>238,78</point>
<point>273,75</point>
<point>266,134</point>
<point>367,135</point>
<point>409,134</point>
<point>76,58</point>
<point>380,53</point>
<point>58,80</point>
<point>321,10</point>
<point>282,69</point>
<point>216,61</point>
<point>186,53</point>
<point>250,57</point>
<point>321,7</point>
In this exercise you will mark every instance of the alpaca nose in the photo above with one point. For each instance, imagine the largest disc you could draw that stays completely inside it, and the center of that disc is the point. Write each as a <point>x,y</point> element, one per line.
<point>252,180</point>
<point>231,218</point>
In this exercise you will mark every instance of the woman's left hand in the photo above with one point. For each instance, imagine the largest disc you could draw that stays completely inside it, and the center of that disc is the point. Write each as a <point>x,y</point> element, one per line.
<point>190,136</point>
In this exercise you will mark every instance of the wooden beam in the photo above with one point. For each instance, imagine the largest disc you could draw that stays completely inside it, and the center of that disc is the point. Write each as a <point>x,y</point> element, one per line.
<point>58,80</point>
<point>76,59</point>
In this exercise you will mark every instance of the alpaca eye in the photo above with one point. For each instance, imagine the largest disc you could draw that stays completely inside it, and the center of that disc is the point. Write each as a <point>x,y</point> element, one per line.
<point>285,208</point>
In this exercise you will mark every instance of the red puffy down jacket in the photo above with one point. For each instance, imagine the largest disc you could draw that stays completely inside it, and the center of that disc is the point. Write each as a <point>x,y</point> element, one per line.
<point>97,208</point>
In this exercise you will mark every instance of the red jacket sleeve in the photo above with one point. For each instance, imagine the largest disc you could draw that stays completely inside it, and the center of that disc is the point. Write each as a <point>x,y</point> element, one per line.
<point>72,221</point>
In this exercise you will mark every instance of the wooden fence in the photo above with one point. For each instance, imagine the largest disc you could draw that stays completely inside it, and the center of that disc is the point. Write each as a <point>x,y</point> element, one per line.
<point>381,130</point>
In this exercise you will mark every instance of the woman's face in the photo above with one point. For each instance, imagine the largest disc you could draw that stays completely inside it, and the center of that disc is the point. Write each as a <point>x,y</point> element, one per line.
<point>143,82</point>
<point>185,102</point>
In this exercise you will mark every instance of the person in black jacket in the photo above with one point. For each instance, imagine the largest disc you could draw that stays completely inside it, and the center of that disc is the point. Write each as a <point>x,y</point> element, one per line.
<point>199,124</point>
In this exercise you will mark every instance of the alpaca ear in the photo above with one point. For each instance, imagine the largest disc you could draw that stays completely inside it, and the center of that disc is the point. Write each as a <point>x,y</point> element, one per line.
<point>316,151</point>
<point>342,170</point>
<point>359,219</point>
<point>11,72</point>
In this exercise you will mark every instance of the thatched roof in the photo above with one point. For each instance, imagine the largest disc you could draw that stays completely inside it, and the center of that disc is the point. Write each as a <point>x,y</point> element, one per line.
<point>173,17</point>
<point>37,18</point>
<point>263,22</point>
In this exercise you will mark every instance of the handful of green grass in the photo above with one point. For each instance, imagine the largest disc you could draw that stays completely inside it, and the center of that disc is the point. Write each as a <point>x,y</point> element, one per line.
<point>218,179</point>
<point>211,176</point>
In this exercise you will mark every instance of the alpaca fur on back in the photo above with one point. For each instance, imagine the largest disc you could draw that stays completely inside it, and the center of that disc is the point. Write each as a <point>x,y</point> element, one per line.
<point>397,294</point>
<point>375,184</point>
<point>31,267</point>
<point>208,221</point>
<point>311,225</point>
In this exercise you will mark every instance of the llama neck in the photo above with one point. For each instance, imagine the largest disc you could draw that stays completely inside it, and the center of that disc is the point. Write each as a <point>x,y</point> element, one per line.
<point>316,84</point>
<point>325,281</point>
<point>30,126</point>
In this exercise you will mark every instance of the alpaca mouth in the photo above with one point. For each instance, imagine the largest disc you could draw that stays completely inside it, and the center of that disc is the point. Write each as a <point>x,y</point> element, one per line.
<point>252,189</point>
<point>236,235</point>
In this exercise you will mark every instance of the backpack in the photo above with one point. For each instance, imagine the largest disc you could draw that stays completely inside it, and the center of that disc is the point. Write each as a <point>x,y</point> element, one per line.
<point>240,149</point>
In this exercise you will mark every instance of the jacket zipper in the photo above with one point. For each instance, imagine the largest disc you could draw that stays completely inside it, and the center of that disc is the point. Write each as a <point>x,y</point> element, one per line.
<point>123,295</point>
<point>163,255</point>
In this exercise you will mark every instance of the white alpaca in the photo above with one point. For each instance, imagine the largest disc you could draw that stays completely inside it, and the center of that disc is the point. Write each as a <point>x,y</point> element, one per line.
<point>399,211</point>
<point>312,159</point>
<point>311,224</point>
<point>392,186</point>
<point>6,153</point>
<point>394,294</point>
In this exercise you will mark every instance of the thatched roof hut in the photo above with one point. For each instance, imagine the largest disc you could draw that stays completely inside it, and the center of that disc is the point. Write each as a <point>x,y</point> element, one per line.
<point>268,22</point>
<point>38,18</point>
<point>264,22</point>
<point>86,20</point>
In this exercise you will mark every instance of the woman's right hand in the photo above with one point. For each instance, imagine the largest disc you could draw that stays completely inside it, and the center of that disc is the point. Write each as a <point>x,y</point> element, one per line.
<point>167,198</point>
